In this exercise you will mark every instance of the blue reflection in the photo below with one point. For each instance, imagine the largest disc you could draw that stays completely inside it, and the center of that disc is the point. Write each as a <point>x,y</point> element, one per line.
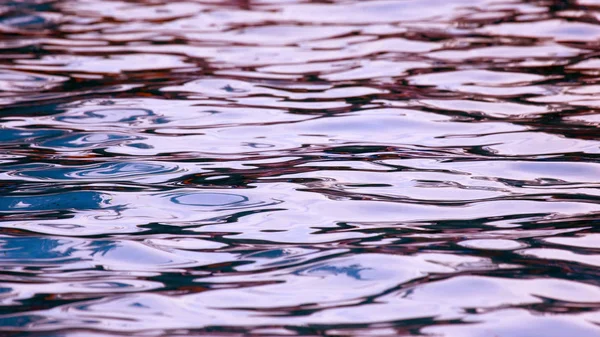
<point>269,254</point>
<point>41,250</point>
<point>80,200</point>
<point>36,5</point>
<point>108,115</point>
<point>15,136</point>
<point>208,199</point>
<point>88,140</point>
<point>30,249</point>
<point>20,321</point>
<point>97,171</point>
<point>352,271</point>
<point>140,146</point>
<point>102,247</point>
<point>24,21</point>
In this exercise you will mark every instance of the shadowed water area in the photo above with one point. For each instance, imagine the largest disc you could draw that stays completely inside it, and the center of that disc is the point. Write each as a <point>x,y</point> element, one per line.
<point>299,168</point>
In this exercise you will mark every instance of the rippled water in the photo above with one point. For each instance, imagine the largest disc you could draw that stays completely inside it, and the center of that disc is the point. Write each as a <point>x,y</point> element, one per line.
<point>292,167</point>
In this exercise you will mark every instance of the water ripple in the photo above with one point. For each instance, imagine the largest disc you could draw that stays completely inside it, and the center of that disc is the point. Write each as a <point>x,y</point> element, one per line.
<point>299,168</point>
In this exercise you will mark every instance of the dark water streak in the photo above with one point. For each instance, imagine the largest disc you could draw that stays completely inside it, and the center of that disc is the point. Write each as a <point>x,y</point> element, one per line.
<point>314,168</point>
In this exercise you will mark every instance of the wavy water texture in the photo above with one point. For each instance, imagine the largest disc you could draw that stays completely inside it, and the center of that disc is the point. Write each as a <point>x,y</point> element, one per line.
<point>300,168</point>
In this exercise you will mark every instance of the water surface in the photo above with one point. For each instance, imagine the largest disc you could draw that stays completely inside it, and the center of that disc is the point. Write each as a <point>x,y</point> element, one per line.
<point>299,168</point>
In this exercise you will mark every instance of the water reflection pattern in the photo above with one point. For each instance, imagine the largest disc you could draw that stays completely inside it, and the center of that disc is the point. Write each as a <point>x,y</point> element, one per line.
<point>310,168</point>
